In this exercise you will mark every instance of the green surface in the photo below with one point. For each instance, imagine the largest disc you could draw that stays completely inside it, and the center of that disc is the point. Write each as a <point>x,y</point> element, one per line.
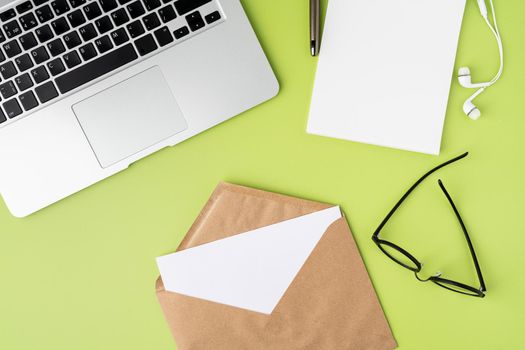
<point>80,274</point>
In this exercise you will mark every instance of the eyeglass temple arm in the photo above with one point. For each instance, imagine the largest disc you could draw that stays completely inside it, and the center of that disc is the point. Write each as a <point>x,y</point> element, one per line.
<point>398,204</point>
<point>467,237</point>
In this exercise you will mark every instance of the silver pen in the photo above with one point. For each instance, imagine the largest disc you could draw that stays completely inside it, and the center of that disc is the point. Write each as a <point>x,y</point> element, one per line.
<point>315,14</point>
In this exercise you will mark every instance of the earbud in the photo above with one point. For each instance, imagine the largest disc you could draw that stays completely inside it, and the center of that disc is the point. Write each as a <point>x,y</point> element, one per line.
<point>470,109</point>
<point>465,80</point>
<point>464,77</point>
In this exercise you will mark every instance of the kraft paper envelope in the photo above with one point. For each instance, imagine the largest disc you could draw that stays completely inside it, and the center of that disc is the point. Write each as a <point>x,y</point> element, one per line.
<point>329,304</point>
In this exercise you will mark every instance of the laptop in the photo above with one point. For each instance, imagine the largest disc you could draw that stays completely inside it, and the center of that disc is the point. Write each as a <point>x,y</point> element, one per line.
<point>91,86</point>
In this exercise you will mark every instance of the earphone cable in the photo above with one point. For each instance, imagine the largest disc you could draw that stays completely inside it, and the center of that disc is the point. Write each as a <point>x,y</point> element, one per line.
<point>495,30</point>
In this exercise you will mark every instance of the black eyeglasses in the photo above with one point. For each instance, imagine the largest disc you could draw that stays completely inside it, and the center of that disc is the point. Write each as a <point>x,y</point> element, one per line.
<point>408,261</point>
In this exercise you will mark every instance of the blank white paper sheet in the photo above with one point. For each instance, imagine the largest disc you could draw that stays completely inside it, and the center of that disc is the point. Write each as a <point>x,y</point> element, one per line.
<point>385,71</point>
<point>251,270</point>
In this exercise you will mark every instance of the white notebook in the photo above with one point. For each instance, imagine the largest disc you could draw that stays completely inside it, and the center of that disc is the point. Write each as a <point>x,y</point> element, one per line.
<point>385,71</point>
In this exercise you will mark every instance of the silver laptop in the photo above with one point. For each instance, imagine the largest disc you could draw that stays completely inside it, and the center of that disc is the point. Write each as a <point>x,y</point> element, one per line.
<point>90,86</point>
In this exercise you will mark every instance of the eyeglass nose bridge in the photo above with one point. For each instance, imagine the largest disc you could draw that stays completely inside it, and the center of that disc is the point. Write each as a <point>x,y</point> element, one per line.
<point>437,274</point>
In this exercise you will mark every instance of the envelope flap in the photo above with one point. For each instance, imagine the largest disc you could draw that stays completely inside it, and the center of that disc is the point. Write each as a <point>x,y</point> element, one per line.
<point>234,209</point>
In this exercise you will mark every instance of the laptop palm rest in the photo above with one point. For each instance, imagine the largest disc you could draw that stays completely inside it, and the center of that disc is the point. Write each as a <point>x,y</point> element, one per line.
<point>130,116</point>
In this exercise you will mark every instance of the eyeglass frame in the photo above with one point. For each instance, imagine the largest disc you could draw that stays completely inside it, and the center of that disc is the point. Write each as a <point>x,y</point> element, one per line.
<point>437,279</point>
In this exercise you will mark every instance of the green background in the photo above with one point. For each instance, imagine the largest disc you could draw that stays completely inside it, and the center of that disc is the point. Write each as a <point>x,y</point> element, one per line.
<point>80,274</point>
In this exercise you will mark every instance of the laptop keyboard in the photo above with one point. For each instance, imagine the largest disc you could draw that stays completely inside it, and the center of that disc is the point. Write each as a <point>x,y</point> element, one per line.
<point>50,47</point>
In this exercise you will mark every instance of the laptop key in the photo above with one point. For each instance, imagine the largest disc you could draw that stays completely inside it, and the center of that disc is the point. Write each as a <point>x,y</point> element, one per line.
<point>87,51</point>
<point>2,36</point>
<point>55,66</point>
<point>103,44</point>
<point>28,41</point>
<point>44,33</point>
<point>135,29</point>
<point>151,21</point>
<point>39,74</point>
<point>96,68</point>
<point>12,48</point>
<point>72,39</point>
<point>88,32</point>
<point>120,17</point>
<point>2,117</point>
<point>195,21</point>
<point>8,70</point>
<point>24,7</point>
<point>12,29</point>
<point>2,57</point>
<point>44,13</point>
<point>122,2</point>
<point>28,21</point>
<point>60,7</point>
<point>104,24</point>
<point>39,2</point>
<point>181,32</point>
<point>23,82</point>
<point>56,47</point>
<point>185,6</point>
<point>146,44</point>
<point>163,36</point>
<point>136,9</point>
<point>12,108</point>
<point>40,54</point>
<point>72,59</point>
<point>167,13</point>
<point>119,36</point>
<point>151,4</point>
<point>46,92</point>
<point>7,15</point>
<point>77,3</point>
<point>28,100</point>
<point>108,5</point>
<point>92,10</point>
<point>60,26</point>
<point>213,17</point>
<point>24,62</point>
<point>8,89</point>
<point>76,18</point>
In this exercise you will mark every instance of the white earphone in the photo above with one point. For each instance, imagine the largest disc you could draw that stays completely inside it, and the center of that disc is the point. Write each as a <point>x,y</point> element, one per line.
<point>464,76</point>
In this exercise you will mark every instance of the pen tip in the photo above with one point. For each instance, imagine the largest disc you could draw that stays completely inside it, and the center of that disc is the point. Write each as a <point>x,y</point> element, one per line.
<point>312,48</point>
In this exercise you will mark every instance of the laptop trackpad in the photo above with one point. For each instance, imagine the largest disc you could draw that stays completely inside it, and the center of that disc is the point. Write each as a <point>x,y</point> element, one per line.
<point>130,116</point>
